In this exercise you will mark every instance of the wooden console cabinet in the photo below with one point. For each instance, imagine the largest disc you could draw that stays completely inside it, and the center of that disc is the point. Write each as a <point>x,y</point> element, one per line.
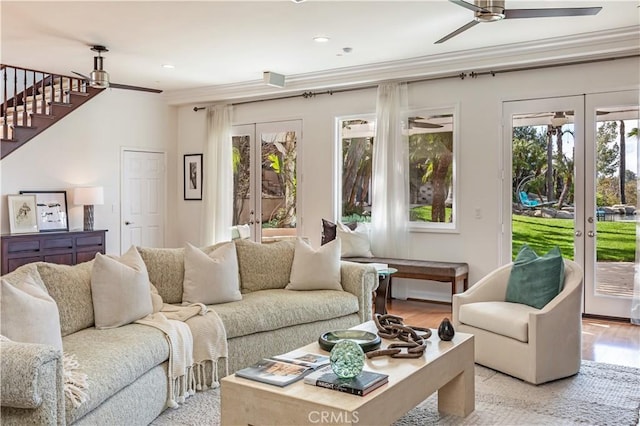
<point>68,248</point>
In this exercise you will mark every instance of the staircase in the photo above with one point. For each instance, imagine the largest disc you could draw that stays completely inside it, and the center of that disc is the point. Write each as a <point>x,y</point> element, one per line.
<point>33,101</point>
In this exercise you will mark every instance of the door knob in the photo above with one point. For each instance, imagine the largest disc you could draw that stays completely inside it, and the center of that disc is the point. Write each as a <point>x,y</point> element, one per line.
<point>591,234</point>
<point>578,233</point>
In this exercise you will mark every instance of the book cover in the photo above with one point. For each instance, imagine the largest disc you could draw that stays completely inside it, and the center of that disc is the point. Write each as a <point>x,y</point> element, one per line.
<point>303,358</point>
<point>361,385</point>
<point>274,372</point>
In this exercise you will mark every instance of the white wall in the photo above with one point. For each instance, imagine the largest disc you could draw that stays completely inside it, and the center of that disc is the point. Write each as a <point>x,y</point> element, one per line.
<point>84,149</point>
<point>480,101</point>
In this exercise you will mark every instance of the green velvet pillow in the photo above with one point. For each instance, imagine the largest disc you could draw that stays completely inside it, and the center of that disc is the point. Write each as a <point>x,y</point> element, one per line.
<point>535,280</point>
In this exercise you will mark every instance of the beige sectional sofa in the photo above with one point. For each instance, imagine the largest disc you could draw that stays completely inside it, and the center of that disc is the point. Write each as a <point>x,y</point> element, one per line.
<point>126,367</point>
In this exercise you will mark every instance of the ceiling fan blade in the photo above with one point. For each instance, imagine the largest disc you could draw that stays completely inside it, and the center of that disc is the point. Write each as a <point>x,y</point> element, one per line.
<point>458,31</point>
<point>81,75</point>
<point>138,88</point>
<point>550,13</point>
<point>469,6</point>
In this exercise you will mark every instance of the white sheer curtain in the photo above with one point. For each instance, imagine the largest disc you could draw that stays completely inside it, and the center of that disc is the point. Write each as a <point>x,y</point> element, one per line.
<point>217,206</point>
<point>389,212</point>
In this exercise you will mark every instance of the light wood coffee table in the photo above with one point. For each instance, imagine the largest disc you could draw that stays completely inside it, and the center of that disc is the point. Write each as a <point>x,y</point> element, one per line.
<point>446,367</point>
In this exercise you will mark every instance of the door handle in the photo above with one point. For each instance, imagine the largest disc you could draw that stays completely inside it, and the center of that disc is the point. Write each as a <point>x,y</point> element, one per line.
<point>126,222</point>
<point>578,233</point>
<point>591,234</point>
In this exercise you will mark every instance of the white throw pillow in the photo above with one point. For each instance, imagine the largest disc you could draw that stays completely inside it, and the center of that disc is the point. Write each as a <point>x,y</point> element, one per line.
<point>354,243</point>
<point>212,278</point>
<point>120,289</point>
<point>29,314</point>
<point>315,269</point>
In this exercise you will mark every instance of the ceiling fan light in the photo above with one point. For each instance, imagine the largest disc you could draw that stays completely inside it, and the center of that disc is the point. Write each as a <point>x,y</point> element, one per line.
<point>99,79</point>
<point>493,11</point>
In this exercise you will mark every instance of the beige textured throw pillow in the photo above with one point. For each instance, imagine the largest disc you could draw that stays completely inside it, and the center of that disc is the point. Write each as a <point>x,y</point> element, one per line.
<point>120,289</point>
<point>354,243</point>
<point>28,313</point>
<point>211,278</point>
<point>315,269</point>
<point>264,266</point>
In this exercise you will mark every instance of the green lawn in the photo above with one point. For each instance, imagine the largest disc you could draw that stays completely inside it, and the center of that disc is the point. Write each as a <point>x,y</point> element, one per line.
<point>616,240</point>
<point>423,214</point>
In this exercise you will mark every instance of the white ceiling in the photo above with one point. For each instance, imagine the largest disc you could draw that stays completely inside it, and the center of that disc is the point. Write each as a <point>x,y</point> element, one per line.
<point>220,43</point>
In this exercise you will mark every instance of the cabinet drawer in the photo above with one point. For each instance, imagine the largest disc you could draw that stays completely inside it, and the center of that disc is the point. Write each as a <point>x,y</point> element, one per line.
<point>20,246</point>
<point>61,259</point>
<point>85,256</point>
<point>89,241</point>
<point>58,243</point>
<point>14,263</point>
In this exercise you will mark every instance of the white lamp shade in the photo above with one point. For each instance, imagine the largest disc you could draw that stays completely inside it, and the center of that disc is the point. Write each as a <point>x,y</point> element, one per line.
<point>88,195</point>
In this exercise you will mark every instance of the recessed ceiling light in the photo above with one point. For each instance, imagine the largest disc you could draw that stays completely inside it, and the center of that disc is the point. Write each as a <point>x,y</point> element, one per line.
<point>298,1</point>
<point>321,39</point>
<point>168,66</point>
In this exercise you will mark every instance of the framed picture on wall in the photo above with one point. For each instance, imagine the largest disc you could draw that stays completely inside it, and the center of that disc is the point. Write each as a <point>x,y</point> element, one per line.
<point>193,177</point>
<point>51,210</point>
<point>22,214</point>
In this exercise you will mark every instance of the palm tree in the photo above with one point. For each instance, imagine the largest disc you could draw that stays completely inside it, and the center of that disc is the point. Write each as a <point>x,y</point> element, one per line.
<point>435,150</point>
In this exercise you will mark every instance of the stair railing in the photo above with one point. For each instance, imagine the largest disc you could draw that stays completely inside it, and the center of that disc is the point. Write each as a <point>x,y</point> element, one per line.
<point>26,91</point>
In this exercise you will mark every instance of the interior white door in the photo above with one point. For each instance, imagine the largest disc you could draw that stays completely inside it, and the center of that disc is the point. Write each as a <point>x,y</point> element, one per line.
<point>143,199</point>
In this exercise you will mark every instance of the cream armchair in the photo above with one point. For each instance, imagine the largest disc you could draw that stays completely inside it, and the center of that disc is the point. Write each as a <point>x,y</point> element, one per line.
<point>535,345</point>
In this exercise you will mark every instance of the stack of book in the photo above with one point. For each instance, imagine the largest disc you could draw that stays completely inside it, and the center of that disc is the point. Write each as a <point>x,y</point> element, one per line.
<point>284,369</point>
<point>360,385</point>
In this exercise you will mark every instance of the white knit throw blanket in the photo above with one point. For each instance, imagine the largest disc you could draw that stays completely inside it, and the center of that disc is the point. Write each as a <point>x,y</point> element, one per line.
<point>197,340</point>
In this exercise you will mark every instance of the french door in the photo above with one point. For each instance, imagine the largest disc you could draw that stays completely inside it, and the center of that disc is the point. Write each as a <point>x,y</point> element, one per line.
<point>562,186</point>
<point>265,178</point>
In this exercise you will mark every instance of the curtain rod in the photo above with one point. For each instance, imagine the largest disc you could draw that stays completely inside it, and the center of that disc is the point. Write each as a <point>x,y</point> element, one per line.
<point>461,76</point>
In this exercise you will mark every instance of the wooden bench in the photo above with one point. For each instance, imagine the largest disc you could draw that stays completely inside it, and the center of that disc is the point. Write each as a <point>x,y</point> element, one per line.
<point>449,272</point>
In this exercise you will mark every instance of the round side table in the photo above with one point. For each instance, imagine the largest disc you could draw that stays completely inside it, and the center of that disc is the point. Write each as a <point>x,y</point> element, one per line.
<point>384,279</point>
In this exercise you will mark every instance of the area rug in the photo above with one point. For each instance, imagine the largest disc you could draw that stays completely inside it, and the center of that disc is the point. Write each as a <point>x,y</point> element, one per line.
<point>600,394</point>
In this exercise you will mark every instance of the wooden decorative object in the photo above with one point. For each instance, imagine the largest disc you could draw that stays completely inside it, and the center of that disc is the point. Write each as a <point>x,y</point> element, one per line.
<point>392,327</point>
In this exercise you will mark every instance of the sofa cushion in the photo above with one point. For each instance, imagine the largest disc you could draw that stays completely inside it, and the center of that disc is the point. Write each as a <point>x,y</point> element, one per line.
<point>535,280</point>
<point>70,287</point>
<point>264,266</point>
<point>27,313</point>
<point>491,316</point>
<point>120,289</point>
<point>211,278</point>
<point>277,308</point>
<point>112,359</point>
<point>315,269</point>
<point>166,270</point>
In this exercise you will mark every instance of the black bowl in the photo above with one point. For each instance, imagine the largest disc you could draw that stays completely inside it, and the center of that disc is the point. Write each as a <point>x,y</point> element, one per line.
<point>368,341</point>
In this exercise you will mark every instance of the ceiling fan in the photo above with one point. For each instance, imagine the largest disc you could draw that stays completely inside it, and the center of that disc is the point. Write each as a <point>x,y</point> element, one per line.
<point>494,10</point>
<point>99,78</point>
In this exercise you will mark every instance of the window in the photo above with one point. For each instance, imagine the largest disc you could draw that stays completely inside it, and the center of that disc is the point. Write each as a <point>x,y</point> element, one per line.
<point>431,168</point>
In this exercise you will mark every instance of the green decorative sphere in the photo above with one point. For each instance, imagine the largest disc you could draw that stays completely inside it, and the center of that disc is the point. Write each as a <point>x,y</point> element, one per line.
<point>347,359</point>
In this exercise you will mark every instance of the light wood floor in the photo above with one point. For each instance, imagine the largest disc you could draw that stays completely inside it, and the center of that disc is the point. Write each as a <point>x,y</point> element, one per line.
<point>612,342</point>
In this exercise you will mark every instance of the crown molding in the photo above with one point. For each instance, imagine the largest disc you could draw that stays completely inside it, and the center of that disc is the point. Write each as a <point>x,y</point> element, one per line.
<point>609,44</point>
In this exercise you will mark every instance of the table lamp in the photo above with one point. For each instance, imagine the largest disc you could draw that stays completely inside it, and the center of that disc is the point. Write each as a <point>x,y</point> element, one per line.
<point>88,196</point>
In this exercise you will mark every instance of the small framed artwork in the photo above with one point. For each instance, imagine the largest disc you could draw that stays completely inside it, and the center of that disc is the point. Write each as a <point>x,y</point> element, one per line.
<point>193,177</point>
<point>51,210</point>
<point>22,214</point>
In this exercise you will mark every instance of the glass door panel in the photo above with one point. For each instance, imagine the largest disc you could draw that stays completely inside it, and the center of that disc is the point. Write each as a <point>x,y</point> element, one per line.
<point>243,190</point>
<point>278,179</point>
<point>545,207</point>
<point>611,239</point>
